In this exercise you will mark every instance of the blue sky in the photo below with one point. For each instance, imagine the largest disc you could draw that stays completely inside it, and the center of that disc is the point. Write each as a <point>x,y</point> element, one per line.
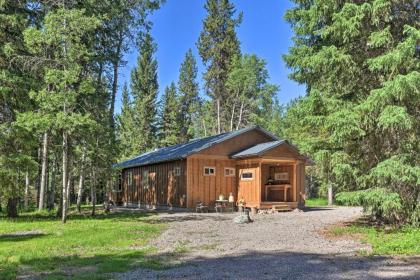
<point>264,32</point>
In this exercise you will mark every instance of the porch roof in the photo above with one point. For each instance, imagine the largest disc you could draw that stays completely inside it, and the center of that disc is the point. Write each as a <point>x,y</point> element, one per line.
<point>258,149</point>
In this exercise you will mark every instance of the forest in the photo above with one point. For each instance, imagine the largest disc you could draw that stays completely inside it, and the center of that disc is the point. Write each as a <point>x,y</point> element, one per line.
<point>60,63</point>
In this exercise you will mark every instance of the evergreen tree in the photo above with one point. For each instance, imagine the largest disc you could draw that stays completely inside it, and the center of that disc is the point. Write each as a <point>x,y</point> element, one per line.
<point>252,97</point>
<point>125,125</point>
<point>169,134</point>
<point>144,89</point>
<point>64,39</point>
<point>218,45</point>
<point>189,99</point>
<point>358,120</point>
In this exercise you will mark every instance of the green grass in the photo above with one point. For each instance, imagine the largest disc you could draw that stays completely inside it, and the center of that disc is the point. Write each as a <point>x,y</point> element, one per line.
<point>403,241</point>
<point>313,202</point>
<point>102,244</point>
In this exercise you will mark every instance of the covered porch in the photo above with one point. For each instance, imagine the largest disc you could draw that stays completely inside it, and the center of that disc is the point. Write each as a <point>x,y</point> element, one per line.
<point>268,182</point>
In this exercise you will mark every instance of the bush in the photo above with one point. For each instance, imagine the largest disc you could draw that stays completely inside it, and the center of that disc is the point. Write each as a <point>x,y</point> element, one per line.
<point>380,203</point>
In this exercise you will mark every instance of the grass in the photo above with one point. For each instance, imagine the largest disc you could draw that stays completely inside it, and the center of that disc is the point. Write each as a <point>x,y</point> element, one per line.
<point>313,202</point>
<point>85,246</point>
<point>402,241</point>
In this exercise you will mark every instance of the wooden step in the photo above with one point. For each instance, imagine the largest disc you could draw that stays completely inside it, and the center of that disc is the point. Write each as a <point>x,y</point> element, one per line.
<point>281,207</point>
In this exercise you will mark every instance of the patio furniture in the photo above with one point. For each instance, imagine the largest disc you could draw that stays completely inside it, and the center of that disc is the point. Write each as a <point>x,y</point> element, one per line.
<point>201,208</point>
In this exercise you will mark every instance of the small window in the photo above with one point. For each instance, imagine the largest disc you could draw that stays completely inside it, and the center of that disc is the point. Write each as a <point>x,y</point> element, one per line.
<point>247,175</point>
<point>282,176</point>
<point>177,171</point>
<point>209,171</point>
<point>229,172</point>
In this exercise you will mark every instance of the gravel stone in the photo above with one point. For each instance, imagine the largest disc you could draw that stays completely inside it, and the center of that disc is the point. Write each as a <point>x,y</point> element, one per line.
<point>285,245</point>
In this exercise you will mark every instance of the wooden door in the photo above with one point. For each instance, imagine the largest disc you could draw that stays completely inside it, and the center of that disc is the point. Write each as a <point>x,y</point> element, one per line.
<point>248,184</point>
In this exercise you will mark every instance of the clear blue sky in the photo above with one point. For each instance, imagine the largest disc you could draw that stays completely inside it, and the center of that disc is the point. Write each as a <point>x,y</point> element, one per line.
<point>264,32</point>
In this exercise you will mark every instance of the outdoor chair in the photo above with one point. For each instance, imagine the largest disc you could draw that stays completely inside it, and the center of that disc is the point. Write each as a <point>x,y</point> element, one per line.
<point>201,208</point>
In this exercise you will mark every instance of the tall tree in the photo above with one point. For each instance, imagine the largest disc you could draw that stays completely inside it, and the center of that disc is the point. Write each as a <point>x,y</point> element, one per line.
<point>189,98</point>
<point>169,127</point>
<point>218,45</point>
<point>252,97</point>
<point>144,89</point>
<point>64,40</point>
<point>125,125</point>
<point>361,64</point>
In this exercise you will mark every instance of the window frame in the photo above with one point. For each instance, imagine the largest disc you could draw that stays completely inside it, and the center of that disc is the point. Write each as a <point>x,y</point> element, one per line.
<point>209,174</point>
<point>230,174</point>
<point>247,171</point>
<point>177,171</point>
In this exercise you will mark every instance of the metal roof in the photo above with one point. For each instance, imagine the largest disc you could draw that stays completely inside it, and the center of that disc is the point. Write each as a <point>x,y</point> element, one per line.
<point>181,151</point>
<point>258,149</point>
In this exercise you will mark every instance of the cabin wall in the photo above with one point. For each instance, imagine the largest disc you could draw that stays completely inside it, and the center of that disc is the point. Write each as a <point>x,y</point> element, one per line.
<point>207,188</point>
<point>237,143</point>
<point>153,184</point>
<point>300,183</point>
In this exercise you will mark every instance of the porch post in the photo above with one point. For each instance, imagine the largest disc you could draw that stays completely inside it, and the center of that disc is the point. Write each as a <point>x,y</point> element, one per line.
<point>294,181</point>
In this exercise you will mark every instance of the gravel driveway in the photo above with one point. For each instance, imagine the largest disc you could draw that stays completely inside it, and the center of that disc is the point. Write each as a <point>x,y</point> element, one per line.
<point>275,246</point>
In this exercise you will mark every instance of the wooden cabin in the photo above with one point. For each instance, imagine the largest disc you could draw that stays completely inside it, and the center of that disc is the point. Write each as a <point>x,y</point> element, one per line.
<point>253,165</point>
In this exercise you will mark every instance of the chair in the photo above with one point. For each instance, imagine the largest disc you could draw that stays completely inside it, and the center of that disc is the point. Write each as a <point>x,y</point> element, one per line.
<point>201,208</point>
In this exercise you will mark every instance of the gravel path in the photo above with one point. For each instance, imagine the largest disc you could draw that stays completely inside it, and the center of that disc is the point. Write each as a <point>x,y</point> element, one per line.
<point>275,246</point>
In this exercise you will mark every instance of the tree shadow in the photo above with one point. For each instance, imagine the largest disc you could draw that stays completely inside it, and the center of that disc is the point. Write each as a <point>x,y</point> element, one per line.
<point>18,237</point>
<point>249,265</point>
<point>316,208</point>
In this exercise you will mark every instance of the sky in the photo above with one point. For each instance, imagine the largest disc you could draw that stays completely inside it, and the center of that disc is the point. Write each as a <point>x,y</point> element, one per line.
<point>263,31</point>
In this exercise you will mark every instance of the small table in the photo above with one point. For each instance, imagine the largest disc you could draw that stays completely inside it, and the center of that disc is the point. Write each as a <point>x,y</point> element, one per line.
<point>284,187</point>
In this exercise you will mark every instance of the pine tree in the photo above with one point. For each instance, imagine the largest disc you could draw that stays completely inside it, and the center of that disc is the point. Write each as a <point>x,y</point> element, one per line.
<point>169,127</point>
<point>144,89</point>
<point>218,45</point>
<point>64,39</point>
<point>125,125</point>
<point>189,99</point>
<point>358,120</point>
<point>252,97</point>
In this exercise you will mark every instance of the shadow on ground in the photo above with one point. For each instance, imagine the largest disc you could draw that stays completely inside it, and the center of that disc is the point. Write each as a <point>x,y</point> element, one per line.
<point>286,265</point>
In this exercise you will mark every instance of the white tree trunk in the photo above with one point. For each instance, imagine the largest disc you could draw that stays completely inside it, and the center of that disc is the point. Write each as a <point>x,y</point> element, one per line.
<point>240,115</point>
<point>26,201</point>
<point>43,172</point>
<point>81,180</point>
<point>330,194</point>
<point>218,115</point>
<point>65,179</point>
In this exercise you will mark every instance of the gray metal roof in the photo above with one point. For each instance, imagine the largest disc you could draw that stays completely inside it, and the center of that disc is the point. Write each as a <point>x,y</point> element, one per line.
<point>258,149</point>
<point>181,151</point>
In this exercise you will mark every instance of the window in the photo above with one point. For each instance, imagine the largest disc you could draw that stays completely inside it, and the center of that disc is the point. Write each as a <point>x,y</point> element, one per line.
<point>177,171</point>
<point>282,176</point>
<point>247,175</point>
<point>229,172</point>
<point>209,171</point>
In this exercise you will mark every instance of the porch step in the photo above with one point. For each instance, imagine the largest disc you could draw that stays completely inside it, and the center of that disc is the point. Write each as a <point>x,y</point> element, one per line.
<point>281,207</point>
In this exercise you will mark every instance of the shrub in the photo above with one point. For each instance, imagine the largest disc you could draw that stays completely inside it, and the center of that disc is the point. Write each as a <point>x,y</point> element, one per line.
<point>380,203</point>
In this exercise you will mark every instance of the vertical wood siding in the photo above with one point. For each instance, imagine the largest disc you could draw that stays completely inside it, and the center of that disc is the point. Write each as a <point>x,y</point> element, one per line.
<point>249,190</point>
<point>206,189</point>
<point>151,184</point>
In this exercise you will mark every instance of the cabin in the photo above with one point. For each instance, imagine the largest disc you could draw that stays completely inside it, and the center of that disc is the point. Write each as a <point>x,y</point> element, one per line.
<point>251,164</point>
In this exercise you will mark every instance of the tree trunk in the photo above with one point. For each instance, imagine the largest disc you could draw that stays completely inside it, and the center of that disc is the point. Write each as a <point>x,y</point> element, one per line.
<point>81,180</point>
<point>51,197</point>
<point>44,160</point>
<point>26,199</point>
<point>93,192</point>
<point>65,179</point>
<point>218,115</point>
<point>12,211</point>
<point>205,129</point>
<point>330,194</point>
<point>231,118</point>
<point>115,65</point>
<point>240,115</point>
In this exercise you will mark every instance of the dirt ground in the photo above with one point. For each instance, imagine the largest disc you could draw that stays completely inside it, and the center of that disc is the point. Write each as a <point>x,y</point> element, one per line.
<point>286,245</point>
